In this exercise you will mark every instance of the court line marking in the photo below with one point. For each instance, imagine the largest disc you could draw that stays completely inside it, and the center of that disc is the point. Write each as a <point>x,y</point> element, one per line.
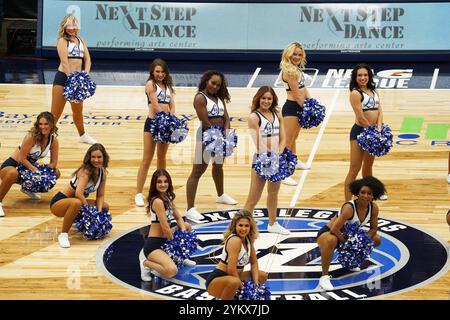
<point>314,149</point>
<point>253,78</point>
<point>434,79</point>
<point>300,184</point>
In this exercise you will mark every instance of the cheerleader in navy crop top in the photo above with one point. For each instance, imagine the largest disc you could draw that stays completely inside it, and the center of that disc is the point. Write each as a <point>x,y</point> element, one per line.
<point>160,98</point>
<point>37,144</point>
<point>74,56</point>
<point>210,107</point>
<point>238,251</point>
<point>267,130</point>
<point>366,105</point>
<point>361,211</point>
<point>89,178</point>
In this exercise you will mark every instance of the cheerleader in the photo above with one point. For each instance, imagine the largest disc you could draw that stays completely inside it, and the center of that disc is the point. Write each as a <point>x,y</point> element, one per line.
<point>293,60</point>
<point>362,211</point>
<point>40,140</point>
<point>365,101</point>
<point>209,104</point>
<point>90,177</point>
<point>238,251</point>
<point>267,130</point>
<point>72,52</point>
<point>159,92</point>
<point>165,219</point>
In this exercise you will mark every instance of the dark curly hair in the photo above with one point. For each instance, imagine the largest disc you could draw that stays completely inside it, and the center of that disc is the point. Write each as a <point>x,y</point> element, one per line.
<point>223,93</point>
<point>354,85</point>
<point>373,183</point>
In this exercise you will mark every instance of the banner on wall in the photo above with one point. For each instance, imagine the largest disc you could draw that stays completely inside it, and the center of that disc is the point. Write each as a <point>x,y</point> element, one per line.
<point>347,27</point>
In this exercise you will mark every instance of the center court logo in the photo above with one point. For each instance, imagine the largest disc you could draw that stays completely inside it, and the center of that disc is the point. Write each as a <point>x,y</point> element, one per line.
<point>407,258</point>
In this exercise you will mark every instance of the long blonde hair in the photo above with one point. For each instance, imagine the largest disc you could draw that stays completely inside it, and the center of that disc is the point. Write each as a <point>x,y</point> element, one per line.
<point>70,18</point>
<point>242,214</point>
<point>286,65</point>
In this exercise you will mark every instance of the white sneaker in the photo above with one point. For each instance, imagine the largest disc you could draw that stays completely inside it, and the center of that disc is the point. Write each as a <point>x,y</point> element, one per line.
<point>32,195</point>
<point>139,200</point>
<point>276,228</point>
<point>226,199</point>
<point>145,272</point>
<point>325,283</point>
<point>301,165</point>
<point>383,197</point>
<point>86,138</point>
<point>289,181</point>
<point>63,240</point>
<point>189,263</point>
<point>2,213</point>
<point>357,269</point>
<point>448,178</point>
<point>193,214</point>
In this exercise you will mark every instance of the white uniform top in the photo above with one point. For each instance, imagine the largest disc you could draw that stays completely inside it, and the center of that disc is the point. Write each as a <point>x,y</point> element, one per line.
<point>355,217</point>
<point>214,109</point>
<point>75,51</point>
<point>369,103</point>
<point>36,153</point>
<point>266,127</point>
<point>243,257</point>
<point>163,95</point>
<point>91,185</point>
<point>169,215</point>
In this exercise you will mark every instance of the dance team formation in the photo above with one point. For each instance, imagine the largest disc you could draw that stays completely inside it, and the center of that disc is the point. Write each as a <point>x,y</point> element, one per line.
<point>274,131</point>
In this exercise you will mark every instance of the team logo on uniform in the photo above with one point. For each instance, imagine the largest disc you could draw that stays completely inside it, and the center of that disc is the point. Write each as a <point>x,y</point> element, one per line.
<point>267,128</point>
<point>293,261</point>
<point>214,110</point>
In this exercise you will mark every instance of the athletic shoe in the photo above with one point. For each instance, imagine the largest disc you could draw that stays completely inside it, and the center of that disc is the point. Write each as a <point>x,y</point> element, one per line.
<point>86,138</point>
<point>226,199</point>
<point>325,283</point>
<point>276,228</point>
<point>145,272</point>
<point>448,178</point>
<point>383,197</point>
<point>302,166</point>
<point>189,263</point>
<point>139,200</point>
<point>63,240</point>
<point>289,181</point>
<point>193,214</point>
<point>2,213</point>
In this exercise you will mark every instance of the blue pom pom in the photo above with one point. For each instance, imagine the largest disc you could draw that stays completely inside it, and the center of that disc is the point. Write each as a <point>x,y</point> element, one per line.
<point>252,291</point>
<point>357,249</point>
<point>182,246</point>
<point>219,143</point>
<point>273,167</point>
<point>167,128</point>
<point>92,223</point>
<point>377,143</point>
<point>79,87</point>
<point>41,180</point>
<point>312,114</point>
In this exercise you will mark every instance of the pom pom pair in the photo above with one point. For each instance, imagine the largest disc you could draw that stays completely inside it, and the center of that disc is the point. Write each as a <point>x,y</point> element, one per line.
<point>357,249</point>
<point>218,143</point>
<point>41,180</point>
<point>79,87</point>
<point>167,128</point>
<point>252,291</point>
<point>312,114</point>
<point>182,246</point>
<point>273,167</point>
<point>92,223</point>
<point>377,143</point>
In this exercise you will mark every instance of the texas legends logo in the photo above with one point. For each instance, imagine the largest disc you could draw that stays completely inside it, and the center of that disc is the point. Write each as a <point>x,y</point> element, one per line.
<point>407,258</point>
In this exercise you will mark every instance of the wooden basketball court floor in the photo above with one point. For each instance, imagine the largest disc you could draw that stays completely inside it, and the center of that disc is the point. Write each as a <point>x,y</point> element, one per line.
<point>33,266</point>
